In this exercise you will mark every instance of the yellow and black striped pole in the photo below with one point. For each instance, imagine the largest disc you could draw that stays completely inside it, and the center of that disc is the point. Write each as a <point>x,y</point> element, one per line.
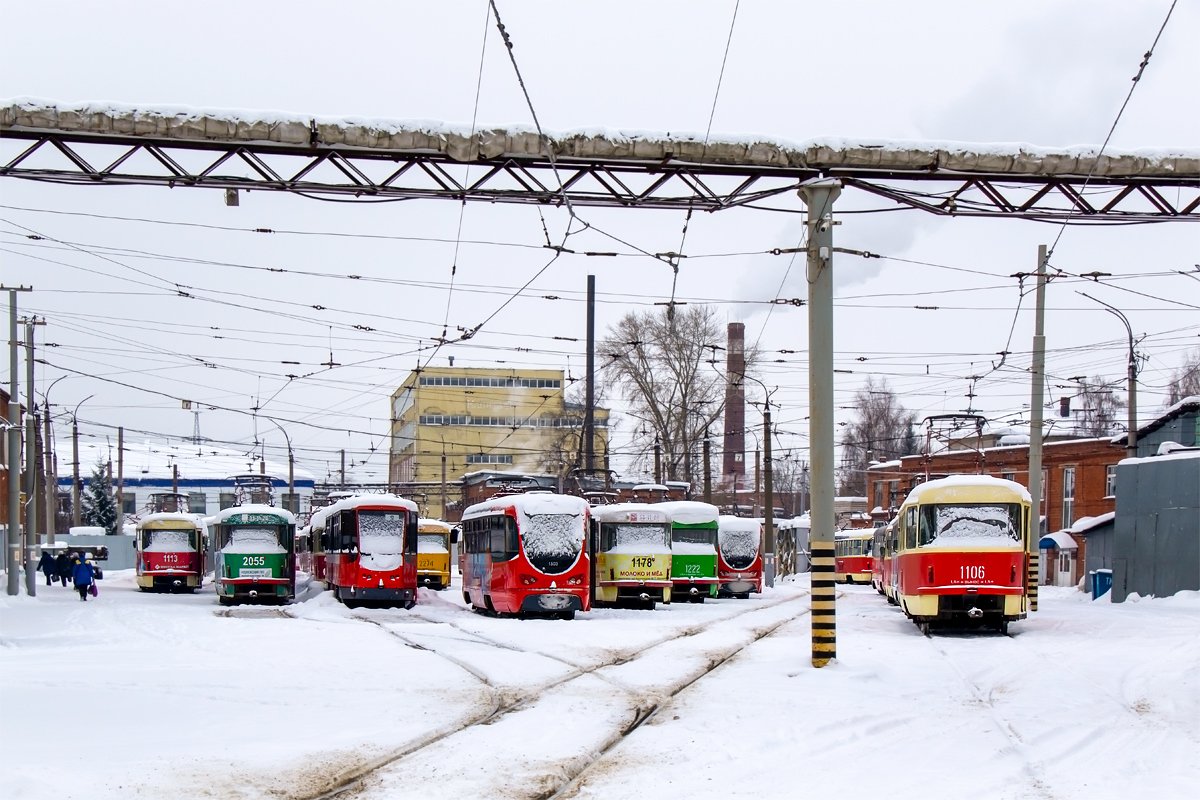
<point>819,195</point>
<point>1031,582</point>
<point>824,618</point>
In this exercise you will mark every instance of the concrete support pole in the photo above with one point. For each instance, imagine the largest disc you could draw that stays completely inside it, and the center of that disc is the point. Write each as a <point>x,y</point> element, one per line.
<point>443,514</point>
<point>76,510</point>
<point>1036,400</point>
<point>707,471</point>
<point>1131,442</point>
<point>820,195</point>
<point>51,479</point>
<point>769,504</point>
<point>657,462</point>
<point>589,411</point>
<point>120,479</point>
<point>12,560</point>
<point>31,495</point>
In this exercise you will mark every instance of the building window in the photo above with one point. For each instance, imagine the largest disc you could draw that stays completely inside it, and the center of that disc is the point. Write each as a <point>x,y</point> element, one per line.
<point>290,502</point>
<point>128,503</point>
<point>1068,497</point>
<point>1110,480</point>
<point>504,383</point>
<point>893,494</point>
<point>489,458</point>
<point>227,500</point>
<point>879,494</point>
<point>197,503</point>
<point>1008,476</point>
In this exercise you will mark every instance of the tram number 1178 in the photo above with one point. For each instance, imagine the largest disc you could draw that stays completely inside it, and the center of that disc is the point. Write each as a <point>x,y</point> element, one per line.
<point>971,573</point>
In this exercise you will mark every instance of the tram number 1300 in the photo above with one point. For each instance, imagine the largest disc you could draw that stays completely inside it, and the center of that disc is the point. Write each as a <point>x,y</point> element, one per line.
<point>971,573</point>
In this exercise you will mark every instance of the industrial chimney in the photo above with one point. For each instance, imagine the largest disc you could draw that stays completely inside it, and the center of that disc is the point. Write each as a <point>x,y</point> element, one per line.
<point>733,470</point>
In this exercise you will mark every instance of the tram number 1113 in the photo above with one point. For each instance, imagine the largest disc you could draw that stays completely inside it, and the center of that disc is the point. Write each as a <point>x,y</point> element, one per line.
<point>971,573</point>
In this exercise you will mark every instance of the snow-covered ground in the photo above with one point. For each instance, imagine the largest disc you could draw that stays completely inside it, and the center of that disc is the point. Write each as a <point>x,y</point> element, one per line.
<point>136,695</point>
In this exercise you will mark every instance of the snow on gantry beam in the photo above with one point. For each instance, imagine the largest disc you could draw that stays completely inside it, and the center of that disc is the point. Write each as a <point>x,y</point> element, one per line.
<point>385,159</point>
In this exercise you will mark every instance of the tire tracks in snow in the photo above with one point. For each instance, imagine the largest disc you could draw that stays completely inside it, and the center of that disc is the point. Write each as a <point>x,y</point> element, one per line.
<point>508,702</point>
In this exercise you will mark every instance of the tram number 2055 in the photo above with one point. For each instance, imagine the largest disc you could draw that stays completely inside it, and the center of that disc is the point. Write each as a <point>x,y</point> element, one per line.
<point>971,573</point>
<point>254,561</point>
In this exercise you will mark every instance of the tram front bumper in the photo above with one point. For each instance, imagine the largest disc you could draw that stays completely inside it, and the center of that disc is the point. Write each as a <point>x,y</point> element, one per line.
<point>375,593</point>
<point>550,603</point>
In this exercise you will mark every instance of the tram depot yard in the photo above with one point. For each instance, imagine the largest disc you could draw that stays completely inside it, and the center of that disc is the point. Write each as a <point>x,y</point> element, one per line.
<point>138,695</point>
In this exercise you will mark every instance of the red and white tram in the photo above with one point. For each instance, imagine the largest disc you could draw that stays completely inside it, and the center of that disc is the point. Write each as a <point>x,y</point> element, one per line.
<point>171,551</point>
<point>853,555</point>
<point>526,554</point>
<point>962,552</point>
<point>370,550</point>
<point>739,556</point>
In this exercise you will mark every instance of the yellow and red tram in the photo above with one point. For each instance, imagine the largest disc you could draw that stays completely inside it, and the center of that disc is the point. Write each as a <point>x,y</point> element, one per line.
<point>961,556</point>
<point>852,550</point>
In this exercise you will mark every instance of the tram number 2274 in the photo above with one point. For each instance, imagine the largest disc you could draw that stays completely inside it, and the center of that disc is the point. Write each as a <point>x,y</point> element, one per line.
<point>971,573</point>
<point>254,561</point>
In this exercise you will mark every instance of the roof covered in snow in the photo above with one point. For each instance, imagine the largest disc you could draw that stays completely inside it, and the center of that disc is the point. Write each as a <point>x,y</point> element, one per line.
<point>690,512</point>
<point>154,462</point>
<point>631,512</point>
<point>972,482</point>
<point>457,142</point>
<point>1190,403</point>
<point>1060,539</point>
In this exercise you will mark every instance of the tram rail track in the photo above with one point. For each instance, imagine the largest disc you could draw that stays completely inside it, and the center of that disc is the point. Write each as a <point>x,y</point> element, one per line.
<point>353,778</point>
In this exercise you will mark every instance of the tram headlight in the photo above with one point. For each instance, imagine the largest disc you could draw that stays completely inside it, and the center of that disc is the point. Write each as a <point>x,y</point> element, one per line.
<point>528,580</point>
<point>575,580</point>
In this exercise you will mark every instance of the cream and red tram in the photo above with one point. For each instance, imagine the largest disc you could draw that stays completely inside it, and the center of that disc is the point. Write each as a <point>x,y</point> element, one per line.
<point>961,556</point>
<point>632,546</point>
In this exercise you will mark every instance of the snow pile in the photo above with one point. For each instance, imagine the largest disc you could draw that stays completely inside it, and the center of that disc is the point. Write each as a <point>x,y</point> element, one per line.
<point>689,512</point>
<point>168,541</point>
<point>739,540</point>
<point>640,539</point>
<point>680,548</point>
<point>381,540</point>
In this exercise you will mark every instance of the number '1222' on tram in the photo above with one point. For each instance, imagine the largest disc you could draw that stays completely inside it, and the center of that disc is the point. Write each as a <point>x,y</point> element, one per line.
<point>525,554</point>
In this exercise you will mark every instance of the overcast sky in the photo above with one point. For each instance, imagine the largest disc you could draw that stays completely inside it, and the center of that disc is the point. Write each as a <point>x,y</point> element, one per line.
<point>1046,73</point>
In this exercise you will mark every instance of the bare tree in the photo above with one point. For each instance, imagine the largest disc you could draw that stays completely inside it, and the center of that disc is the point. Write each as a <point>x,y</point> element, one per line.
<point>1100,406</point>
<point>661,367</point>
<point>881,430</point>
<point>1185,381</point>
<point>564,452</point>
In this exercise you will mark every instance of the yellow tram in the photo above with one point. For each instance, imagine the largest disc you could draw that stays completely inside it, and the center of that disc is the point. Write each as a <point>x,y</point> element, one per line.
<point>433,553</point>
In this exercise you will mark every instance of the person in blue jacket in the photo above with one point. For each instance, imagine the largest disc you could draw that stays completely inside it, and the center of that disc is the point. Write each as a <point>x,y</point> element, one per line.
<point>83,575</point>
<point>47,567</point>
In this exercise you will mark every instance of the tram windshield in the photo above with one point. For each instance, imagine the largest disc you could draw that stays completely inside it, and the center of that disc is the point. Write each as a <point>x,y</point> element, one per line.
<point>168,541</point>
<point>381,532</point>
<point>706,536</point>
<point>739,548</point>
<point>253,540</point>
<point>552,541</point>
<point>633,537</point>
<point>974,524</point>
<point>433,542</point>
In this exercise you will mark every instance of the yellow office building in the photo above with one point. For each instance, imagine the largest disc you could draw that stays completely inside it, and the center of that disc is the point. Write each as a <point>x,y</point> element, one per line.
<point>485,419</point>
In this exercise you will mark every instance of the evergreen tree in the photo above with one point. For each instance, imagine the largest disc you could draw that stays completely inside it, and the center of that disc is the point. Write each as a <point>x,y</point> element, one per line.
<point>99,505</point>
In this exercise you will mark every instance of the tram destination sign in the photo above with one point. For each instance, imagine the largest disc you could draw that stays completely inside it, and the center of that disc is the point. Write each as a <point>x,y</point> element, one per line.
<point>255,519</point>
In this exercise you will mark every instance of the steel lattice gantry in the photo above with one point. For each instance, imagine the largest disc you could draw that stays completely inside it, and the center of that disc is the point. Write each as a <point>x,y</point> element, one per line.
<point>376,161</point>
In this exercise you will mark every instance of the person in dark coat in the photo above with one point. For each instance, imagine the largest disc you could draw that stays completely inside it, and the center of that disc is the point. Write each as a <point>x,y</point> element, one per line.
<point>83,575</point>
<point>47,566</point>
<point>64,565</point>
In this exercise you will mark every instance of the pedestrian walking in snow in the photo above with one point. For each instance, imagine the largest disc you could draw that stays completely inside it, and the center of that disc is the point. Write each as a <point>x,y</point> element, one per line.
<point>83,575</point>
<point>64,565</point>
<point>47,566</point>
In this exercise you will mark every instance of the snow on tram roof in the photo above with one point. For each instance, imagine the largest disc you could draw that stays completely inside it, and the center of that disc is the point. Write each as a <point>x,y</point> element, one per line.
<point>690,512</point>
<point>728,522</point>
<point>172,516</point>
<point>531,503</point>
<point>224,514</point>
<point>618,512</point>
<point>968,481</point>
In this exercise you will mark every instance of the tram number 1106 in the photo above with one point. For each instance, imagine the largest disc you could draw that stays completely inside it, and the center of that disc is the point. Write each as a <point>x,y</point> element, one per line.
<point>971,573</point>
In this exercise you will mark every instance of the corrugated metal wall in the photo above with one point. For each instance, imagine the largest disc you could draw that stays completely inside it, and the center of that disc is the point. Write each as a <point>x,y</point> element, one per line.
<point>1156,542</point>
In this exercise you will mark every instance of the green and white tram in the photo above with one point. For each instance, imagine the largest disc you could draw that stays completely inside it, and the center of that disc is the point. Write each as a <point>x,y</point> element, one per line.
<point>255,551</point>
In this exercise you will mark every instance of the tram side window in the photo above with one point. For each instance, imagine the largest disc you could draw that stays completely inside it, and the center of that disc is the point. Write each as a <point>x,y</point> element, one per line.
<point>503,538</point>
<point>910,528</point>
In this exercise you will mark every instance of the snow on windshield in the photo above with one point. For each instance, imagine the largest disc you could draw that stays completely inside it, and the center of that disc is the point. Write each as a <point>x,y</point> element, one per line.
<point>253,540</point>
<point>381,532</point>
<point>431,543</point>
<point>550,535</point>
<point>169,542</point>
<point>956,525</point>
<point>739,547</point>
<point>639,535</point>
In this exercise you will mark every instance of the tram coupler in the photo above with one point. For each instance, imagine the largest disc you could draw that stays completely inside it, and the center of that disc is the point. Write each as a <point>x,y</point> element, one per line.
<point>177,582</point>
<point>975,612</point>
<point>693,591</point>
<point>645,598</point>
<point>253,593</point>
